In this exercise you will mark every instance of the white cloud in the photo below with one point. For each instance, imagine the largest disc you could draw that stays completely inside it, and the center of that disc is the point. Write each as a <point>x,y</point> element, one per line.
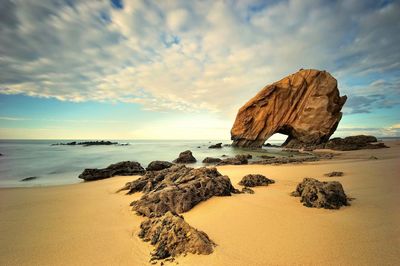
<point>193,56</point>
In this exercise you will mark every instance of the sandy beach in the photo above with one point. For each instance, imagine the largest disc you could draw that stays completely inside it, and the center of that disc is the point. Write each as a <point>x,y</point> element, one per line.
<point>90,224</point>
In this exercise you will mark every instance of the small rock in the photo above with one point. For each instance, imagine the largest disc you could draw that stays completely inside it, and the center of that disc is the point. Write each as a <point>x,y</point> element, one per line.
<point>211,160</point>
<point>255,180</point>
<point>247,190</point>
<point>266,157</point>
<point>373,158</point>
<point>185,157</point>
<point>334,173</point>
<point>28,178</point>
<point>317,194</point>
<point>237,160</point>
<point>122,168</point>
<point>216,146</point>
<point>158,165</point>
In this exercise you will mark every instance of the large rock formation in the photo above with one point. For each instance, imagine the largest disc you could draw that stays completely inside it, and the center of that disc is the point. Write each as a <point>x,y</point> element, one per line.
<point>305,106</point>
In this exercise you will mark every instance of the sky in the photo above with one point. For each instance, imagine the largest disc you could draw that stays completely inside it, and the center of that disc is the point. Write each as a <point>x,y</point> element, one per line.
<point>181,69</point>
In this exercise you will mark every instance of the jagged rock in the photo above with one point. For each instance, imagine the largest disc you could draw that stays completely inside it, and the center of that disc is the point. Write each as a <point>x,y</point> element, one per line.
<point>334,173</point>
<point>216,146</point>
<point>255,180</point>
<point>247,190</point>
<point>327,195</point>
<point>158,165</point>
<point>28,178</point>
<point>171,236</point>
<point>237,160</point>
<point>211,160</point>
<point>177,189</point>
<point>185,157</point>
<point>305,106</point>
<point>122,168</point>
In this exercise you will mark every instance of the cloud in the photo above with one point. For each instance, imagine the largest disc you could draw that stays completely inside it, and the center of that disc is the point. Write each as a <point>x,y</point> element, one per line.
<point>195,55</point>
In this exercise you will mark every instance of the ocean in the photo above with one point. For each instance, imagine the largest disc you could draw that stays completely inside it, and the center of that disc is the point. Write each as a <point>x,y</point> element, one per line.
<point>62,164</point>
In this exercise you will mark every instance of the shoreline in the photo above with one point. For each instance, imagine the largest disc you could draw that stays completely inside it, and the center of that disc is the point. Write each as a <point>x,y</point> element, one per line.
<point>42,225</point>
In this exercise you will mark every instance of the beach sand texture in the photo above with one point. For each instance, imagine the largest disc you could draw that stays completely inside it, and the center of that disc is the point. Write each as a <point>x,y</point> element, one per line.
<point>89,224</point>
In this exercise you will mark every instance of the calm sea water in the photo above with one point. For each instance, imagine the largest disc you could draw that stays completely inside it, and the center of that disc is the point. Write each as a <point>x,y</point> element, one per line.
<point>55,165</point>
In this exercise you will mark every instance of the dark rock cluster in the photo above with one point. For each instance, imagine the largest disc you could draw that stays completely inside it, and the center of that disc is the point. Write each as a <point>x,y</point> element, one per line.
<point>237,160</point>
<point>286,160</point>
<point>216,146</point>
<point>211,160</point>
<point>334,173</point>
<point>122,168</point>
<point>255,180</point>
<point>87,143</point>
<point>177,189</point>
<point>317,194</point>
<point>172,236</point>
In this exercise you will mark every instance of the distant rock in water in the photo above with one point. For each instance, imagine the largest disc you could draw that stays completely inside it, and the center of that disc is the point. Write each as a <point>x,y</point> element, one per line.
<point>211,160</point>
<point>350,143</point>
<point>255,180</point>
<point>237,160</point>
<point>171,236</point>
<point>1,154</point>
<point>305,106</point>
<point>89,143</point>
<point>216,146</point>
<point>28,178</point>
<point>158,165</point>
<point>317,194</point>
<point>185,157</point>
<point>177,189</point>
<point>122,168</point>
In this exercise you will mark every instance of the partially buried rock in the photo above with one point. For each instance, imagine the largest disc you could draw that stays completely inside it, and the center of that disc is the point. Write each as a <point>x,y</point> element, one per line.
<point>317,194</point>
<point>247,190</point>
<point>158,165</point>
<point>177,189</point>
<point>185,157</point>
<point>255,180</point>
<point>171,236</point>
<point>28,178</point>
<point>122,168</point>
<point>211,160</point>
<point>216,146</point>
<point>334,173</point>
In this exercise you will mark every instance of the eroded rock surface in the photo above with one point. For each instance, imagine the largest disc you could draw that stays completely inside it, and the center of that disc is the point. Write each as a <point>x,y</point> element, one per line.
<point>158,165</point>
<point>171,236</point>
<point>317,194</point>
<point>121,168</point>
<point>305,106</point>
<point>185,157</point>
<point>255,180</point>
<point>177,189</point>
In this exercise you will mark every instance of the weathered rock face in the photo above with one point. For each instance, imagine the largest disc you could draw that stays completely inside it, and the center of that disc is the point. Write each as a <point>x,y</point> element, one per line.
<point>305,106</point>
<point>327,195</point>
<point>158,165</point>
<point>255,180</point>
<point>121,168</point>
<point>177,189</point>
<point>171,236</point>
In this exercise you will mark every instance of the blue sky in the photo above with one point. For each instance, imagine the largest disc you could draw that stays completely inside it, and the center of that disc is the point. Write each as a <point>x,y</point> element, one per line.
<point>181,69</point>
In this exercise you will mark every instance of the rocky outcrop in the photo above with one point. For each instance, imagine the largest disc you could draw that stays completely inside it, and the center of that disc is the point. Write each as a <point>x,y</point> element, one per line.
<point>158,165</point>
<point>305,106</point>
<point>286,160</point>
<point>177,189</point>
<point>216,146</point>
<point>171,236</point>
<point>354,143</point>
<point>316,194</point>
<point>121,168</point>
<point>211,160</point>
<point>28,178</point>
<point>255,180</point>
<point>185,157</point>
<point>88,143</point>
